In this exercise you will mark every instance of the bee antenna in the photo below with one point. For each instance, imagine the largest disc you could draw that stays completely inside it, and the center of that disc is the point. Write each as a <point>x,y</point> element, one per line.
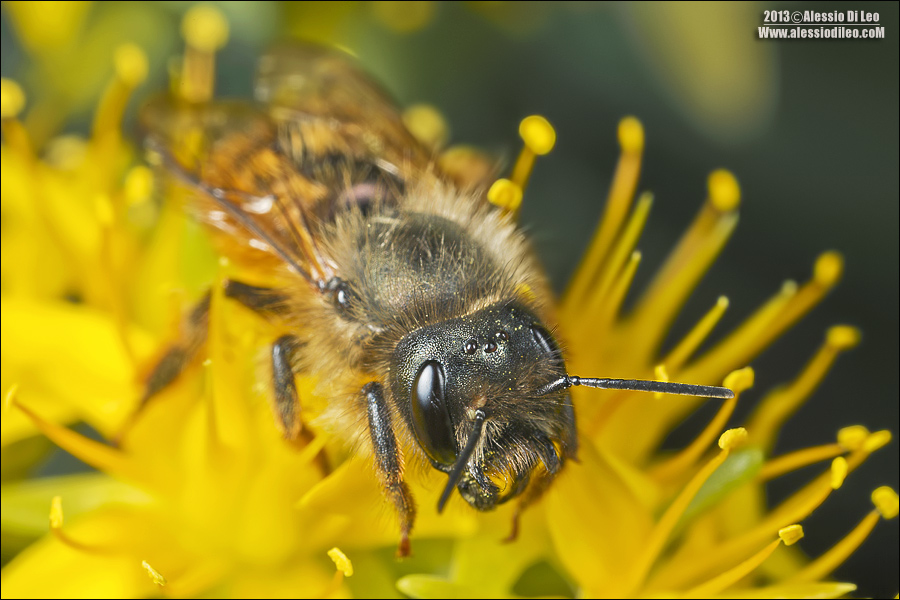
<point>637,385</point>
<point>460,464</point>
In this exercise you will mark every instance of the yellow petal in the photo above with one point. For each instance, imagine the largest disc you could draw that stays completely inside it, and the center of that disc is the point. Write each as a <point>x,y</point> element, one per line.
<point>790,591</point>
<point>588,497</point>
<point>51,569</point>
<point>83,373</point>
<point>25,502</point>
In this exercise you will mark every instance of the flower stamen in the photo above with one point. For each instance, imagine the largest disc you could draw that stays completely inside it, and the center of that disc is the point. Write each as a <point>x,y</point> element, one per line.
<point>343,568</point>
<point>738,381</point>
<point>205,31</point>
<point>661,533</point>
<point>620,252</point>
<point>689,344</point>
<point>130,63</point>
<point>12,102</point>
<point>621,193</point>
<point>100,456</point>
<point>506,195</point>
<point>789,535</point>
<point>794,509</point>
<point>56,524</point>
<point>687,263</point>
<point>620,286</point>
<point>539,137</point>
<point>780,404</point>
<point>797,460</point>
<point>885,500</point>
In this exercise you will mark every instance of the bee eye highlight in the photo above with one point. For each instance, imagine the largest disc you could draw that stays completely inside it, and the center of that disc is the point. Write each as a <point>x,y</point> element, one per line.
<point>431,419</point>
<point>546,342</point>
<point>471,346</point>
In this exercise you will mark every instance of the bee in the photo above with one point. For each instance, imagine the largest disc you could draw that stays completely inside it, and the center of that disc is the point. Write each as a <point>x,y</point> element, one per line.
<point>417,303</point>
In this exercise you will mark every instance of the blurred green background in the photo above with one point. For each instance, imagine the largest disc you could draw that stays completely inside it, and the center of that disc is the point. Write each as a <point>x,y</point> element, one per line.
<point>810,128</point>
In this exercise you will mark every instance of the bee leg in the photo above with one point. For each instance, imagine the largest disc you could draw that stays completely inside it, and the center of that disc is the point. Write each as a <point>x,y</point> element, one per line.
<point>269,304</point>
<point>264,301</point>
<point>534,492</point>
<point>387,462</point>
<point>539,484</point>
<point>176,358</point>
<point>173,361</point>
<point>287,401</point>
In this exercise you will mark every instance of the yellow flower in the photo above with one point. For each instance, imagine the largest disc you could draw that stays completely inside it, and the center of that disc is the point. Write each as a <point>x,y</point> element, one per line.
<point>203,497</point>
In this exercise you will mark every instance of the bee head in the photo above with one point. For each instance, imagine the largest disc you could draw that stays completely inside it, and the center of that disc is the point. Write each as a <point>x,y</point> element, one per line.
<point>469,389</point>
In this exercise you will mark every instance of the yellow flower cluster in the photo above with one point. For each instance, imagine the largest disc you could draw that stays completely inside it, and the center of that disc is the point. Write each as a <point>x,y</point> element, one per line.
<point>204,497</point>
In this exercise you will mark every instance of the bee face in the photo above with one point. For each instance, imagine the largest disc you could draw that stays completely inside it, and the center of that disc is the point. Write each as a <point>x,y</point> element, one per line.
<point>494,361</point>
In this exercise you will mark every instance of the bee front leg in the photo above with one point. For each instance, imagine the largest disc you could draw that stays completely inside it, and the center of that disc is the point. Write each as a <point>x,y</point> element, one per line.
<point>180,354</point>
<point>387,462</point>
<point>287,401</point>
<point>266,302</point>
<point>175,359</point>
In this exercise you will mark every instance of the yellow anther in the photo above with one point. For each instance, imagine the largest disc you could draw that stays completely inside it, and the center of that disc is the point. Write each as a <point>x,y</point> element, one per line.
<point>791,534</point>
<point>886,502</point>
<point>341,561</point>
<point>631,135</point>
<point>724,191</point>
<point>505,194</point>
<point>538,134</point>
<point>427,125</point>
<point>839,470</point>
<point>138,185</point>
<point>660,373</point>
<point>740,380</point>
<point>828,269</point>
<point>789,288</point>
<point>852,437</point>
<point>155,576</point>
<point>843,337</point>
<point>131,64</point>
<point>12,99</point>
<point>8,398</point>
<point>205,28</point>
<point>878,439</point>
<point>56,513</point>
<point>732,438</point>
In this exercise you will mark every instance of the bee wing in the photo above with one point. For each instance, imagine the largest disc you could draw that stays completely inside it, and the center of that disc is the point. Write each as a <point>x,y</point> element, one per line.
<point>224,153</point>
<point>326,106</point>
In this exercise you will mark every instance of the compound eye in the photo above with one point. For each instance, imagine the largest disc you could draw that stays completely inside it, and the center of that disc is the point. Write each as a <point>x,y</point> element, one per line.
<point>431,419</point>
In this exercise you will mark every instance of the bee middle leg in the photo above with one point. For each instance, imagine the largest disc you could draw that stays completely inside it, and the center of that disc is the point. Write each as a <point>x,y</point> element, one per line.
<point>387,462</point>
<point>286,400</point>
<point>269,303</point>
<point>193,334</point>
<point>194,330</point>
